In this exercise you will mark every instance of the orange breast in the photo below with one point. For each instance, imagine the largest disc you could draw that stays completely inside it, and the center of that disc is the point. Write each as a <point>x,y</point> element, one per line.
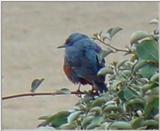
<point>67,70</point>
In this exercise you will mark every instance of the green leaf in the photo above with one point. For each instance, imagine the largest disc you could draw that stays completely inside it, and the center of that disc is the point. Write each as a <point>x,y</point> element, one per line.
<point>68,126</point>
<point>148,70</point>
<point>105,70</point>
<point>126,94</point>
<point>111,107</point>
<point>104,53</point>
<point>126,73</point>
<point>136,122</point>
<point>96,121</point>
<point>147,50</point>
<point>64,91</point>
<point>153,91</point>
<point>105,125</point>
<point>148,86</point>
<point>121,63</point>
<point>112,31</point>
<point>152,106</point>
<point>113,115</point>
<point>155,77</point>
<point>156,117</point>
<point>138,35</point>
<point>73,116</point>
<point>96,109</point>
<point>57,119</point>
<point>139,65</point>
<point>135,103</point>
<point>111,102</point>
<point>35,84</point>
<point>151,124</point>
<point>154,21</point>
<point>98,102</point>
<point>92,126</point>
<point>87,120</point>
<point>120,125</point>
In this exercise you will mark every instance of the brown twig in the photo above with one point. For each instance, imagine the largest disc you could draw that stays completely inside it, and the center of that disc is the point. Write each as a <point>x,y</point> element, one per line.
<point>116,49</point>
<point>39,94</point>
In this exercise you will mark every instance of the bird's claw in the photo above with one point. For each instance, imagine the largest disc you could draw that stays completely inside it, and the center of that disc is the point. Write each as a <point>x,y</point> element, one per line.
<point>78,93</point>
<point>94,92</point>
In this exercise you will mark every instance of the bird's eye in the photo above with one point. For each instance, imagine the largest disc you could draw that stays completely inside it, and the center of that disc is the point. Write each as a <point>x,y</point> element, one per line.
<point>67,41</point>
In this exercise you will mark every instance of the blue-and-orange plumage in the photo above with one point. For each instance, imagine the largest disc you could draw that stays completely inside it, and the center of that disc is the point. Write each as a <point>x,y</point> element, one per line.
<point>81,62</point>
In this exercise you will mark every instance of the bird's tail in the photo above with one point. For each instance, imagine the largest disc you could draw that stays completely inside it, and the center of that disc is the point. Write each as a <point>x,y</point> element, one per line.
<point>101,87</point>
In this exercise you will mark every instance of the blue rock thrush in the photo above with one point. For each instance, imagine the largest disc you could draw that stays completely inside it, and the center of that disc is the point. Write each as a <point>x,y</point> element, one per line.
<point>81,61</point>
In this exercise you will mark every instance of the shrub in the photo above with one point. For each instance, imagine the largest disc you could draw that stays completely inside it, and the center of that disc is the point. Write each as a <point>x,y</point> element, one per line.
<point>132,100</point>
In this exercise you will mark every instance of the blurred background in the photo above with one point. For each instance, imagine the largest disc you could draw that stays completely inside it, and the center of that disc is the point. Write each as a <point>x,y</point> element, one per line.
<point>31,32</point>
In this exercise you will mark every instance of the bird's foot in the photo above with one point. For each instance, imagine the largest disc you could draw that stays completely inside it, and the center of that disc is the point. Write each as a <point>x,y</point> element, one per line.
<point>78,93</point>
<point>94,92</point>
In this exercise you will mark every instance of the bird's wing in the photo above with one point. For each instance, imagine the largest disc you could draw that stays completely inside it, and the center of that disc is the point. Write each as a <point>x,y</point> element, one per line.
<point>89,64</point>
<point>92,50</point>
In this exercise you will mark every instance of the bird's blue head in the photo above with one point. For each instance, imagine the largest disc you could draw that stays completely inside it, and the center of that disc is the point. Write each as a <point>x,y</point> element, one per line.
<point>73,38</point>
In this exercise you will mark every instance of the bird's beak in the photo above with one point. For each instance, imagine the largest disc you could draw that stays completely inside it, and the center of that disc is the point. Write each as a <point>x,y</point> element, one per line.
<point>61,46</point>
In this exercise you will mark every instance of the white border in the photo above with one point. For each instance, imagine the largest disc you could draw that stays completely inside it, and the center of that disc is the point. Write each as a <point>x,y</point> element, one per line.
<point>54,1</point>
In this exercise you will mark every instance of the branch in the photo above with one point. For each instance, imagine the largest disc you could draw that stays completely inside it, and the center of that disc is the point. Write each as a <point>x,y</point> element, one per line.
<point>41,94</point>
<point>116,49</point>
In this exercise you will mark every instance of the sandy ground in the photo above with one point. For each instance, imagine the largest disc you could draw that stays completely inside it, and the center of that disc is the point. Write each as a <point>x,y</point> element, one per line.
<point>31,31</point>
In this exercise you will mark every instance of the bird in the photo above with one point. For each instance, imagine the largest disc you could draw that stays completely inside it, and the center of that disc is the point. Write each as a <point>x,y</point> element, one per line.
<point>81,63</point>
